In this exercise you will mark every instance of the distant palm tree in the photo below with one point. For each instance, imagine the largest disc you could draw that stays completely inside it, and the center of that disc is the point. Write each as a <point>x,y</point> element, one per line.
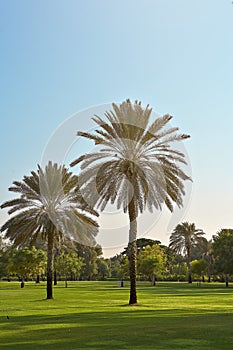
<point>209,258</point>
<point>136,167</point>
<point>50,206</point>
<point>184,239</point>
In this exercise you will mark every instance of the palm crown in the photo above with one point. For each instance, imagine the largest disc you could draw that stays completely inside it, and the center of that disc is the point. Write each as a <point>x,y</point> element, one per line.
<point>135,160</point>
<point>49,201</point>
<point>186,237</point>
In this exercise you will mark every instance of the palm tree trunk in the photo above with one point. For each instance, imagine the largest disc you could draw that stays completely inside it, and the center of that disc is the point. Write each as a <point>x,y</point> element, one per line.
<point>189,266</point>
<point>189,276</point>
<point>227,280</point>
<point>132,252</point>
<point>55,277</point>
<point>153,280</point>
<point>22,283</point>
<point>50,265</point>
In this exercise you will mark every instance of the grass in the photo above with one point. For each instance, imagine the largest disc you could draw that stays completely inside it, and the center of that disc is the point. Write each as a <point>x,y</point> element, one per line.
<point>95,315</point>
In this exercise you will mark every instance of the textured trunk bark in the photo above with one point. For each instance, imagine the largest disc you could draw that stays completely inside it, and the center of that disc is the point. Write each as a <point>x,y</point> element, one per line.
<point>227,280</point>
<point>189,266</point>
<point>22,283</point>
<point>153,281</point>
<point>132,253</point>
<point>38,279</point>
<point>55,277</point>
<point>189,277</point>
<point>50,243</point>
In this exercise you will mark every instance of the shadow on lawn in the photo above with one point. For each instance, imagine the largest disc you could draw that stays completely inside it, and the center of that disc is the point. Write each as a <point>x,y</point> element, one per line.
<point>126,329</point>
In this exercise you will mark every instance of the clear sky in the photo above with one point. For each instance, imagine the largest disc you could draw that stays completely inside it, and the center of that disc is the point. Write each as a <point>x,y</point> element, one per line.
<point>59,57</point>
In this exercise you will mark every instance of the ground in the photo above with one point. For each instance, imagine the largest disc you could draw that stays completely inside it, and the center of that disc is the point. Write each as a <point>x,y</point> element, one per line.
<point>95,315</point>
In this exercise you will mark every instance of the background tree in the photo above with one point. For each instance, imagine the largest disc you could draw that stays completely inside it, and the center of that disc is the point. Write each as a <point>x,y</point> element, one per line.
<point>103,268</point>
<point>40,263</point>
<point>68,265</point>
<point>64,245</point>
<point>89,255</point>
<point>141,243</point>
<point>223,252</point>
<point>208,256</point>
<point>136,167</point>
<point>6,252</point>
<point>119,267</point>
<point>198,251</point>
<point>50,205</point>
<point>199,268</point>
<point>27,262</point>
<point>115,265</point>
<point>185,238</point>
<point>152,262</point>
<point>176,267</point>
<point>204,251</point>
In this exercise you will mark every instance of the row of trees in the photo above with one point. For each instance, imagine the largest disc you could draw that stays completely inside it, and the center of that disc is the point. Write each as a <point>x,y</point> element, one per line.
<point>197,257</point>
<point>74,262</point>
<point>203,256</point>
<point>189,255</point>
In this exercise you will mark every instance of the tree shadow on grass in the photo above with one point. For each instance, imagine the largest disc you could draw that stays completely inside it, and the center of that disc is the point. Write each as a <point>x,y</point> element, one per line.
<point>122,329</point>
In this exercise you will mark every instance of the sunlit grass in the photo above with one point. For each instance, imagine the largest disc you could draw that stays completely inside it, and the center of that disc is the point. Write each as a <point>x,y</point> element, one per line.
<point>95,315</point>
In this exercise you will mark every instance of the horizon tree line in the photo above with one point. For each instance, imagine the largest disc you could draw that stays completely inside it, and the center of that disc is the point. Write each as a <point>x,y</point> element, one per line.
<point>212,260</point>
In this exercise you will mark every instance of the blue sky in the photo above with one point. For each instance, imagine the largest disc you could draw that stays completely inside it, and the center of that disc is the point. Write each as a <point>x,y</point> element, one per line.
<point>60,57</point>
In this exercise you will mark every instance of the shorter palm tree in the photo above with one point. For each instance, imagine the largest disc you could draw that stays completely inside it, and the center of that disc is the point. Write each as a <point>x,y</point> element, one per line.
<point>50,206</point>
<point>184,239</point>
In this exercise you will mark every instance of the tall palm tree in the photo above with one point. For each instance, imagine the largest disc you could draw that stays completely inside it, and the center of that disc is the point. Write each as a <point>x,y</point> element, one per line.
<point>184,239</point>
<point>50,206</point>
<point>136,167</point>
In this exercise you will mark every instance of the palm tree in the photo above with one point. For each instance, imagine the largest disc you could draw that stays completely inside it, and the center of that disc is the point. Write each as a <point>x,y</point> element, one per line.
<point>136,168</point>
<point>209,258</point>
<point>184,239</point>
<point>50,206</point>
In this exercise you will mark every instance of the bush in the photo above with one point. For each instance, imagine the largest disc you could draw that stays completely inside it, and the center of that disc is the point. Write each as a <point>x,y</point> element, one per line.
<point>175,278</point>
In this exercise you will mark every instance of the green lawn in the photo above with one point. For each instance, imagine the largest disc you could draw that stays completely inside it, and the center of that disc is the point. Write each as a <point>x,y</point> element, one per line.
<point>95,315</point>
